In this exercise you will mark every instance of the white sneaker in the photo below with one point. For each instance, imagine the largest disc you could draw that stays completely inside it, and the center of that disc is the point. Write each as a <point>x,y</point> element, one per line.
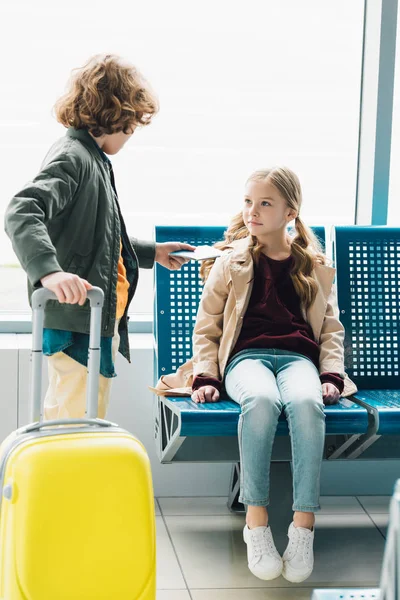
<point>298,558</point>
<point>262,556</point>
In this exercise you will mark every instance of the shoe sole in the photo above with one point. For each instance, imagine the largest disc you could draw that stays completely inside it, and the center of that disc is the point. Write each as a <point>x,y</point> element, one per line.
<point>260,576</point>
<point>294,576</point>
<point>263,577</point>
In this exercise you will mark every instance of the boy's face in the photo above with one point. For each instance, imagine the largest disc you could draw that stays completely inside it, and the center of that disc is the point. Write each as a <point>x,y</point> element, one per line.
<point>113,142</point>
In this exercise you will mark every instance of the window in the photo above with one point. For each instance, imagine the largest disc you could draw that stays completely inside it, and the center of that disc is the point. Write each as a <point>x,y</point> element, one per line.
<point>241,85</point>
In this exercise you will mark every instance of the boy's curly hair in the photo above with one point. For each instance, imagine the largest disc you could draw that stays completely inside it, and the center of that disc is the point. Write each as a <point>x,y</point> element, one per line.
<point>106,96</point>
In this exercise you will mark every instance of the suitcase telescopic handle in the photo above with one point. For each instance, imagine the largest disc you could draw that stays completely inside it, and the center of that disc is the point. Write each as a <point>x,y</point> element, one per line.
<point>69,422</point>
<point>39,299</point>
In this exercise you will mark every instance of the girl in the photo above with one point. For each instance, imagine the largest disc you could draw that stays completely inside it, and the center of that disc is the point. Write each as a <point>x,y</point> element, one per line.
<point>268,325</point>
<point>268,328</point>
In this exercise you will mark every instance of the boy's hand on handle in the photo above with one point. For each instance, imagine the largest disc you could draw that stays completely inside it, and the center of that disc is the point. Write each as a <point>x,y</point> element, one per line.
<point>171,262</point>
<point>330,394</point>
<point>69,288</point>
<point>207,393</point>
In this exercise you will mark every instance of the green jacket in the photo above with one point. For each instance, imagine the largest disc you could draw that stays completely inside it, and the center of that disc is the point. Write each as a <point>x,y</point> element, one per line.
<point>68,219</point>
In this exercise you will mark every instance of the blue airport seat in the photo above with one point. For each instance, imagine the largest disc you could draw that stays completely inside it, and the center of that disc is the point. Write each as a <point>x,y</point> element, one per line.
<point>187,431</point>
<point>368,280</point>
<point>221,418</point>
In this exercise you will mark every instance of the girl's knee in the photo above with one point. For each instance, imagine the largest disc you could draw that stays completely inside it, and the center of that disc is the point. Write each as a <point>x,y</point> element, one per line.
<point>306,407</point>
<point>261,405</point>
<point>260,416</point>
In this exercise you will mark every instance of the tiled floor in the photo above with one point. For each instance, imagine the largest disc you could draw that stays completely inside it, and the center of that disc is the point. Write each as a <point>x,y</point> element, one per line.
<point>201,555</point>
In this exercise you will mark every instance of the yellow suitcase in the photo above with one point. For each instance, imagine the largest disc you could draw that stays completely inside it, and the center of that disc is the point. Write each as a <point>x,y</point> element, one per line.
<point>77,510</point>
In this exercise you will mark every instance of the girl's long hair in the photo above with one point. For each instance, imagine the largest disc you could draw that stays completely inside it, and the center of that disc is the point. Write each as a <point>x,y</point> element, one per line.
<point>305,246</point>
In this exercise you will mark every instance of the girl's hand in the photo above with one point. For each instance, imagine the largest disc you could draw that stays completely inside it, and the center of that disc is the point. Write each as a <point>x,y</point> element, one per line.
<point>207,393</point>
<point>330,394</point>
<point>171,262</point>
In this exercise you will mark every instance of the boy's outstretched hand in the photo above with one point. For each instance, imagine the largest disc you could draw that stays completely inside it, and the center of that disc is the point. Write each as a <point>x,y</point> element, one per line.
<point>69,288</point>
<point>171,262</point>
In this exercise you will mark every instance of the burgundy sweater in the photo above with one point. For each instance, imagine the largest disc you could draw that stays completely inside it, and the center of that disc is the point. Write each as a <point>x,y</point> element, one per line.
<point>274,320</point>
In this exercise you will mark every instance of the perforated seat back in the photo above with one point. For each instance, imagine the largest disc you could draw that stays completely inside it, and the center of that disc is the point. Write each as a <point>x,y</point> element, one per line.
<point>177,297</point>
<point>368,280</point>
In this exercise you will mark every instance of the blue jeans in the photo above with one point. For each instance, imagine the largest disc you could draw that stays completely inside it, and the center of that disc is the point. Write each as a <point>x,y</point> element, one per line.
<point>264,382</point>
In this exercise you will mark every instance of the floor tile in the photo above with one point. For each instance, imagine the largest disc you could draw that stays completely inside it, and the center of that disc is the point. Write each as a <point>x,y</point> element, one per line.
<point>251,594</point>
<point>349,552</point>
<point>375,504</point>
<point>194,506</point>
<point>157,508</point>
<point>169,575</point>
<point>382,522</point>
<point>211,551</point>
<point>340,505</point>
<point>173,595</point>
<point>348,549</point>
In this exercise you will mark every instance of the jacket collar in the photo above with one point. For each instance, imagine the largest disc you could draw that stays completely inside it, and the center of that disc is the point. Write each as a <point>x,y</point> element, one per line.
<point>86,139</point>
<point>241,250</point>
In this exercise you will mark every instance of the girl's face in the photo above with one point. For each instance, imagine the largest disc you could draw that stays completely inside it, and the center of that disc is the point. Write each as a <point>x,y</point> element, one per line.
<point>265,211</point>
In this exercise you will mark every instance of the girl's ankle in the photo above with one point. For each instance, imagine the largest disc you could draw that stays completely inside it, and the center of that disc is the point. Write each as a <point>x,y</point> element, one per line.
<point>257,519</point>
<point>305,523</point>
<point>254,524</point>
<point>256,516</point>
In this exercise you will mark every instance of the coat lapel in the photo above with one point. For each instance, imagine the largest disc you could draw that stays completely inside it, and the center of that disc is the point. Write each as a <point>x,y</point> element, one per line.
<point>315,315</point>
<point>242,274</point>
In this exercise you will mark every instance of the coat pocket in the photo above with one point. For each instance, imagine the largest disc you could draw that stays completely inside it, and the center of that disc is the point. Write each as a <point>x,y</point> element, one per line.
<point>80,264</point>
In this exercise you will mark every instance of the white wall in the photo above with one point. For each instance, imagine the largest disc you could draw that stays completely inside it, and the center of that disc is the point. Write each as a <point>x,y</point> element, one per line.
<point>9,384</point>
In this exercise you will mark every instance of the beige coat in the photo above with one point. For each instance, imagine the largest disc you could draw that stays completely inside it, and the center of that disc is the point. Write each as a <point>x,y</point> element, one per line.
<point>223,305</point>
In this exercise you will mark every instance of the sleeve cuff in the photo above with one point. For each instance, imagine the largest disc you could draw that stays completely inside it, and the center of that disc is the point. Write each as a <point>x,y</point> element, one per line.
<point>42,265</point>
<point>333,378</point>
<point>145,251</point>
<point>199,381</point>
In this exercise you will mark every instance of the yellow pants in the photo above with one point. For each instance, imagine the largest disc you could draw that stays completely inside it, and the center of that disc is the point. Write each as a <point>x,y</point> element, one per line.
<point>66,395</point>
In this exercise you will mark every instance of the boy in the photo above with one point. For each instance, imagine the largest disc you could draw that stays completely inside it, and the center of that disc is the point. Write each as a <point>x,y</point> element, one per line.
<point>67,229</point>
